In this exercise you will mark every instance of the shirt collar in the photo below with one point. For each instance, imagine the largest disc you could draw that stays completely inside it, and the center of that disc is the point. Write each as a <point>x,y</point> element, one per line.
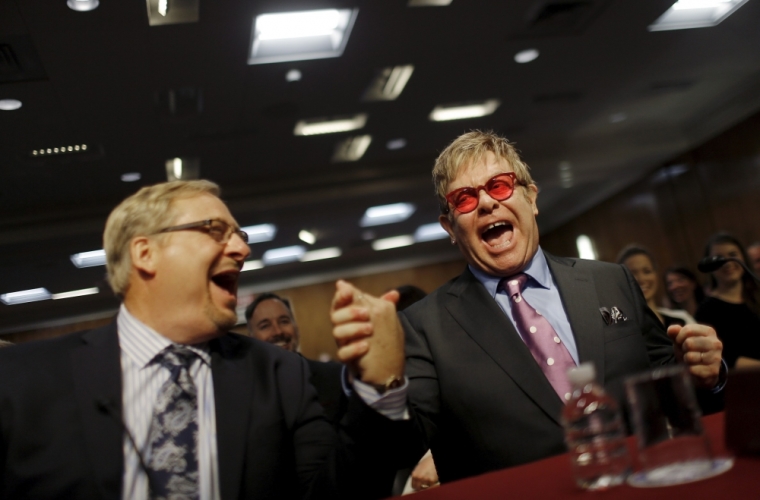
<point>537,268</point>
<point>142,343</point>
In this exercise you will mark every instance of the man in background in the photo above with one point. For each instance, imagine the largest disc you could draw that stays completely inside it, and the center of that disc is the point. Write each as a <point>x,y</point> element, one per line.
<point>753,251</point>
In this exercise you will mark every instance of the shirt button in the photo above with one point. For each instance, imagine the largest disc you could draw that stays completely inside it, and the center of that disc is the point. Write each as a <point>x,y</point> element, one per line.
<point>550,361</point>
<point>556,339</point>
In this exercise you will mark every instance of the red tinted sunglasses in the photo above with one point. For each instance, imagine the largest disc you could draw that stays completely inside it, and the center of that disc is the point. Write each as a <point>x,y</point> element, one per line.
<point>499,187</point>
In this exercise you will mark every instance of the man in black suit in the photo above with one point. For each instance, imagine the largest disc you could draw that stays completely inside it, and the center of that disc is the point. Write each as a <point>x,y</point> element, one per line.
<point>164,400</point>
<point>481,388</point>
<point>270,319</point>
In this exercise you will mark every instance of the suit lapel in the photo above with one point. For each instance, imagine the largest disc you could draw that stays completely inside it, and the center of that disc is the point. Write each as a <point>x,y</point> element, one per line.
<point>581,303</point>
<point>96,367</point>
<point>233,389</point>
<point>484,321</point>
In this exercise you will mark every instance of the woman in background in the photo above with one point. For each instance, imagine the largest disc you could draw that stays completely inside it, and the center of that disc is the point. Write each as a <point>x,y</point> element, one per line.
<point>641,265</point>
<point>733,307</point>
<point>683,289</point>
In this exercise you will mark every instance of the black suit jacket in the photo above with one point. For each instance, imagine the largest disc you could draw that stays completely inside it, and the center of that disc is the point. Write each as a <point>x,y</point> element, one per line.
<point>479,397</point>
<point>56,440</point>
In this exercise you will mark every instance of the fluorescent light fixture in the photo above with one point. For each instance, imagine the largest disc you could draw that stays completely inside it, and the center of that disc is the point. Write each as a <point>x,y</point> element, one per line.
<point>685,14</point>
<point>430,232</point>
<point>9,104</point>
<point>89,259</point>
<point>321,254</point>
<point>389,84</point>
<point>330,126</point>
<point>182,169</point>
<point>283,255</point>
<point>296,36</point>
<point>131,177</point>
<point>82,5</point>
<point>293,75</point>
<point>461,111</point>
<point>395,144</point>
<point>252,265</point>
<point>393,242</point>
<point>526,56</point>
<point>260,233</point>
<point>163,12</point>
<point>351,149</point>
<point>387,214</point>
<point>586,248</point>
<point>428,3</point>
<point>307,237</point>
<point>75,293</point>
<point>24,296</point>
<point>163,7</point>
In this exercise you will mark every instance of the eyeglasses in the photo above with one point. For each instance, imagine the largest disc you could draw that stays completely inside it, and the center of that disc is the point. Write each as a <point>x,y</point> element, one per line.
<point>217,229</point>
<point>499,187</point>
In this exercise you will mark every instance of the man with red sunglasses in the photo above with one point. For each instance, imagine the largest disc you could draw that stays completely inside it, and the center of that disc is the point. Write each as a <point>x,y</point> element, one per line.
<point>487,353</point>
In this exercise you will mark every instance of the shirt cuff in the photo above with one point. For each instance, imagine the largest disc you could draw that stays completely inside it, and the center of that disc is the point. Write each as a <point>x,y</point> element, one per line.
<point>722,378</point>
<point>391,404</point>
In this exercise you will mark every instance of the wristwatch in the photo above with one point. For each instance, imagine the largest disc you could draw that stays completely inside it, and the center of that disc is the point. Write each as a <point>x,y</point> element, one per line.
<point>393,382</point>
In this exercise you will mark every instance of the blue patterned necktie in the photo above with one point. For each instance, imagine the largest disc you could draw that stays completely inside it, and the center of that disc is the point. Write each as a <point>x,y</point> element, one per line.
<point>173,437</point>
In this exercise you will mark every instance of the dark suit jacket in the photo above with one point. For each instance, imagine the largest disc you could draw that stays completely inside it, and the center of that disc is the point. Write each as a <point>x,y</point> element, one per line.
<point>272,438</point>
<point>478,395</point>
<point>326,379</point>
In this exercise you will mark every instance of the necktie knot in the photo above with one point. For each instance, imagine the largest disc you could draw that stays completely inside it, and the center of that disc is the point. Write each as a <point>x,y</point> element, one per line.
<point>514,284</point>
<point>176,356</point>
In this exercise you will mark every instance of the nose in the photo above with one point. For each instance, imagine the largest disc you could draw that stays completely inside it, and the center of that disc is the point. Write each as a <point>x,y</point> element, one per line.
<point>237,248</point>
<point>485,202</point>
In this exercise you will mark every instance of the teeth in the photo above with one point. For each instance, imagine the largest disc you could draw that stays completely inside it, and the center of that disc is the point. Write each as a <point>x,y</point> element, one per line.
<point>496,224</point>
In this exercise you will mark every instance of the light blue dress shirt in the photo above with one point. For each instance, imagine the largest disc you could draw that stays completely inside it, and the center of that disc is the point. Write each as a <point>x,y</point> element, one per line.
<point>541,293</point>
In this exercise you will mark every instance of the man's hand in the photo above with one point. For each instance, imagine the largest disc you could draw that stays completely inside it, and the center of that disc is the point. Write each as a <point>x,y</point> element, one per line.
<point>699,348</point>
<point>424,475</point>
<point>368,333</point>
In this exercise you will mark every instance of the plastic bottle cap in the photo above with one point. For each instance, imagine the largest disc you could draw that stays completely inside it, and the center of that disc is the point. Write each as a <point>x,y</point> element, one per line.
<point>582,374</point>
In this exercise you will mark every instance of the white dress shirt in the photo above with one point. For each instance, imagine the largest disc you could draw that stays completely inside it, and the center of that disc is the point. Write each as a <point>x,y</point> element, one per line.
<point>142,378</point>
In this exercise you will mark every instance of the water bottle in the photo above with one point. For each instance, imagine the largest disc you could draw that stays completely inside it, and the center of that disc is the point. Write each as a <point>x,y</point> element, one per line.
<point>594,433</point>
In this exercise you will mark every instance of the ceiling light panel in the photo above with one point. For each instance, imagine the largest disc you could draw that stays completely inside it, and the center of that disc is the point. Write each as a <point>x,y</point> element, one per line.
<point>428,3</point>
<point>89,259</point>
<point>183,169</point>
<point>430,232</point>
<point>387,214</point>
<point>260,233</point>
<point>82,5</point>
<point>351,149</point>
<point>685,14</point>
<point>321,254</point>
<point>172,11</point>
<point>526,56</point>
<point>283,255</point>
<point>297,36</point>
<point>75,293</point>
<point>389,84</point>
<point>9,104</point>
<point>307,236</point>
<point>393,242</point>
<point>25,296</point>
<point>318,126</point>
<point>448,112</point>
<point>252,265</point>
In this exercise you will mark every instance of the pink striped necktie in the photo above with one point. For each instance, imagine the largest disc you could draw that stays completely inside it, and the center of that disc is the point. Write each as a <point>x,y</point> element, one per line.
<point>545,345</point>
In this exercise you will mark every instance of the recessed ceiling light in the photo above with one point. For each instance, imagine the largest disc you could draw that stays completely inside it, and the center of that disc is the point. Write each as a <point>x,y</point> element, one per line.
<point>75,293</point>
<point>389,84</point>
<point>65,149</point>
<point>448,112</point>
<point>618,117</point>
<point>293,75</point>
<point>430,232</point>
<point>526,56</point>
<point>295,36</point>
<point>260,233</point>
<point>393,242</point>
<point>131,176</point>
<point>9,104</point>
<point>685,14</point>
<point>252,265</point>
<point>586,249</point>
<point>321,254</point>
<point>394,144</point>
<point>83,5</point>
<point>317,126</point>
<point>387,214</point>
<point>428,3</point>
<point>307,237</point>
<point>351,149</point>
<point>283,255</point>
<point>24,296</point>
<point>163,12</point>
<point>182,169</point>
<point>89,259</point>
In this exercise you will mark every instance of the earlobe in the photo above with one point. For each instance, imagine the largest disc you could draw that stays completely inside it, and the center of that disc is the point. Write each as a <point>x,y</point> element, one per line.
<point>532,193</point>
<point>142,253</point>
<point>446,224</point>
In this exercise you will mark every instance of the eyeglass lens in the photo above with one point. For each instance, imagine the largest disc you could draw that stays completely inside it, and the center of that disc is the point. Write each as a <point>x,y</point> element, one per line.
<point>222,232</point>
<point>499,188</point>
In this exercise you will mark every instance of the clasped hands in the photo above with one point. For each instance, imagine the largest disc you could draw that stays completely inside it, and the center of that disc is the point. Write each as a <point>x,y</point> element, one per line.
<point>698,347</point>
<point>368,333</point>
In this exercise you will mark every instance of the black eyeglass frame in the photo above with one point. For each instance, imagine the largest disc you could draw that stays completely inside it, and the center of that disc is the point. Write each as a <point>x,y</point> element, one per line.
<point>228,232</point>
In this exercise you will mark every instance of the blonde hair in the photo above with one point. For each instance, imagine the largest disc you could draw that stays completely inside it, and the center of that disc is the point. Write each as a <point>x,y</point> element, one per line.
<point>470,148</point>
<point>144,213</point>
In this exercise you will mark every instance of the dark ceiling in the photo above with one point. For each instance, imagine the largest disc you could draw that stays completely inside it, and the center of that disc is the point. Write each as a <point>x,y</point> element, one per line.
<point>103,78</point>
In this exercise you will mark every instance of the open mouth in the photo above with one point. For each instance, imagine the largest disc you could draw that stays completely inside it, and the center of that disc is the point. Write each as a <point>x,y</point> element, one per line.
<point>227,280</point>
<point>497,234</point>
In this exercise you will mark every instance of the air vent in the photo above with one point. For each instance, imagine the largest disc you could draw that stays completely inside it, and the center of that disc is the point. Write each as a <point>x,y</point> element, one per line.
<point>18,60</point>
<point>558,97</point>
<point>560,18</point>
